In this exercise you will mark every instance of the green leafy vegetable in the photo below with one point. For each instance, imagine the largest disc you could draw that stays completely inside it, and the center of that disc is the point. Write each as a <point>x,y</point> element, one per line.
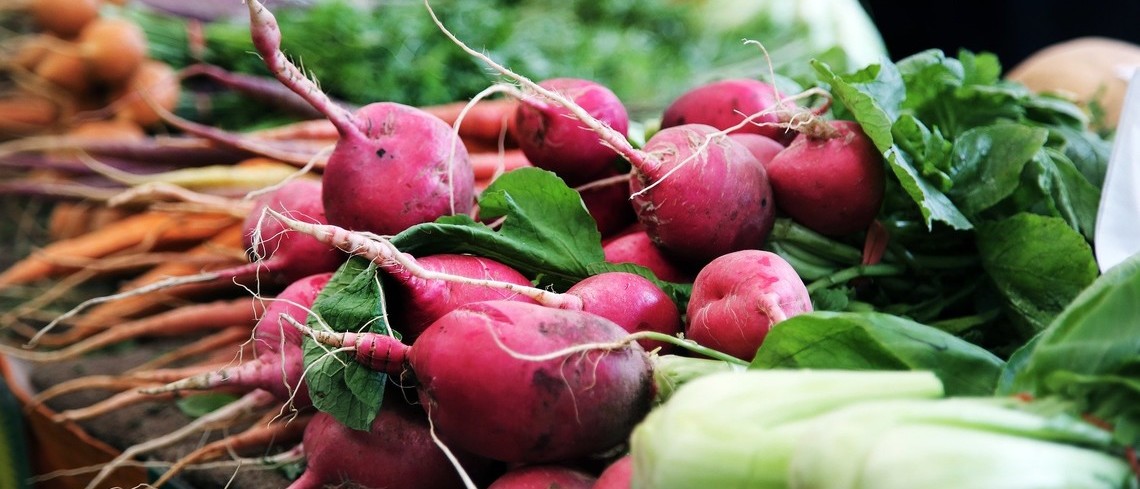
<point>877,341</point>
<point>1038,263</point>
<point>202,404</point>
<point>546,233</point>
<point>338,385</point>
<point>1090,354</point>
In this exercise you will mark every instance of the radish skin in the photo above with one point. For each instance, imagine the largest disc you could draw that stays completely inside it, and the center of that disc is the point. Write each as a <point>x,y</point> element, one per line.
<point>543,477</point>
<point>725,103</point>
<point>699,194</point>
<point>484,367</point>
<point>394,166</point>
<point>739,297</point>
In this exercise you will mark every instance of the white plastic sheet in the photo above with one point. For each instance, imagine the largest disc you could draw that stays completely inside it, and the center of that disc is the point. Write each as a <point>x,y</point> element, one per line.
<point>1117,234</point>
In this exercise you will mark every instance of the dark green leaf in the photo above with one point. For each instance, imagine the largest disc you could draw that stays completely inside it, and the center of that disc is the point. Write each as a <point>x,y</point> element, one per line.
<point>547,234</point>
<point>988,162</point>
<point>338,385</point>
<point>873,96</point>
<point>1038,263</point>
<point>202,404</point>
<point>932,152</point>
<point>877,341</point>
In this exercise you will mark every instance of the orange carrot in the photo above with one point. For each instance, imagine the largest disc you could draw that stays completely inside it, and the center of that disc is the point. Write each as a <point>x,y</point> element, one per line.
<point>27,114</point>
<point>190,319</point>
<point>488,165</point>
<point>227,243</point>
<point>262,434</point>
<point>486,120</point>
<point>141,231</point>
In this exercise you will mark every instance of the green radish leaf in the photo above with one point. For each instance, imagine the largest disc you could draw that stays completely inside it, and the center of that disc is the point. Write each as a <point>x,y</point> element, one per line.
<point>546,233</point>
<point>874,104</point>
<point>1090,354</point>
<point>199,405</point>
<point>338,385</point>
<point>1038,263</point>
<point>1053,186</point>
<point>988,162</point>
<point>878,341</point>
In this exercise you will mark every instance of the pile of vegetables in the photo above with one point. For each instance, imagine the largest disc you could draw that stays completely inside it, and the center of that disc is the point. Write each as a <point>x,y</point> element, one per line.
<point>818,276</point>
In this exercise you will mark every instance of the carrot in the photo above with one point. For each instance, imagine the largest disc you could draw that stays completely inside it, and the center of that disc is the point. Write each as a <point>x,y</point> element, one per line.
<point>227,243</point>
<point>26,115</point>
<point>64,17</point>
<point>261,434</point>
<point>191,319</point>
<point>224,338</point>
<point>145,230</point>
<point>125,381</point>
<point>486,120</point>
<point>489,165</point>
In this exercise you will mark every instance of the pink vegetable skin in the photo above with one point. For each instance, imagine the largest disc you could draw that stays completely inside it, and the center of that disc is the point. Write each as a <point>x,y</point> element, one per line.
<point>485,396</point>
<point>763,148</point>
<point>831,183</point>
<point>394,166</point>
<point>698,208</point>
<point>737,299</point>
<point>397,453</point>
<point>632,302</point>
<point>717,203</point>
<point>278,364</point>
<point>619,475</point>
<point>543,477</point>
<point>552,139</point>
<point>723,104</point>
<point>419,302</point>
<point>636,247</point>
<point>288,255</point>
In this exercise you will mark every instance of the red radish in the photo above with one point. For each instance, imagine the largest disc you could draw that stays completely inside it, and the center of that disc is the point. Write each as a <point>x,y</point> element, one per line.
<point>397,453</point>
<point>420,301</point>
<point>278,363</point>
<point>543,477</point>
<point>726,103</point>
<point>632,302</point>
<point>831,178</point>
<point>607,201</point>
<point>503,379</point>
<point>553,139</point>
<point>638,248</point>
<point>763,148</point>
<point>289,256</point>
<point>394,166</point>
<point>619,475</point>
<point>433,291</point>
<point>698,193</point>
<point>737,299</point>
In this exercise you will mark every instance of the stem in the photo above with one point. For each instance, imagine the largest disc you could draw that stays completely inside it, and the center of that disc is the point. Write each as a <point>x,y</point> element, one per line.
<point>847,274</point>
<point>788,230</point>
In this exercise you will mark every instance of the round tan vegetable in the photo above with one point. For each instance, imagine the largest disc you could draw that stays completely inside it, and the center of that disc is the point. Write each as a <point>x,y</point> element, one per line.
<point>1086,69</point>
<point>64,17</point>
<point>113,48</point>
<point>155,80</point>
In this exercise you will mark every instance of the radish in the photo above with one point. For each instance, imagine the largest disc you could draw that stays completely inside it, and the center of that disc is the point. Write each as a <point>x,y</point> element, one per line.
<point>552,139</point>
<point>726,103</point>
<point>737,299</point>
<point>698,193</point>
<point>543,477</point>
<point>398,452</point>
<point>618,475</point>
<point>278,364</point>
<point>607,201</point>
<point>503,379</point>
<point>763,148</point>
<point>831,178</point>
<point>637,248</point>
<point>431,291</point>
<point>394,166</point>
